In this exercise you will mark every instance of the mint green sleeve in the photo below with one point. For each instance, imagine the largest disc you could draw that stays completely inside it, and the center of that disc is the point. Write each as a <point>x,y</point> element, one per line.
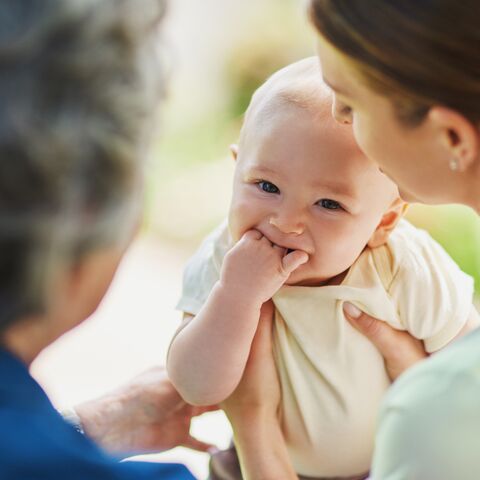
<point>429,425</point>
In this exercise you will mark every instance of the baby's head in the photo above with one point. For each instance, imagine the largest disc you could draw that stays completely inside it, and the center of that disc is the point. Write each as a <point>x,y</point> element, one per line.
<point>302,181</point>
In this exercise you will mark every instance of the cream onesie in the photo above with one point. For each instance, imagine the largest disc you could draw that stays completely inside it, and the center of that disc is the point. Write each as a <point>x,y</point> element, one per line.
<point>332,378</point>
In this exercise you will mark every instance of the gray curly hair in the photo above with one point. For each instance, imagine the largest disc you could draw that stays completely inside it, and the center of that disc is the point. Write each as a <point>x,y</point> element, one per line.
<point>79,82</point>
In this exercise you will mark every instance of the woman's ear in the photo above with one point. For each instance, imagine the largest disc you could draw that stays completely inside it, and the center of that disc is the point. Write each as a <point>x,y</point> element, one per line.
<point>459,136</point>
<point>234,150</point>
<point>388,222</point>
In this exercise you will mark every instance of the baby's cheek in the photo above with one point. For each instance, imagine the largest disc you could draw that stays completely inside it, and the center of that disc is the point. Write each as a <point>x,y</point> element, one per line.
<point>338,256</point>
<point>349,251</point>
<point>240,219</point>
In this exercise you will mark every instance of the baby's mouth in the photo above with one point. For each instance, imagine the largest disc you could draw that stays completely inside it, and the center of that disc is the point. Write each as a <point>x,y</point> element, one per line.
<point>289,250</point>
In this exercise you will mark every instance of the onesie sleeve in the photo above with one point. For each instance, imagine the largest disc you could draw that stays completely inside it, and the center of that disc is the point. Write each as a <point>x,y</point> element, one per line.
<point>433,296</point>
<point>203,271</point>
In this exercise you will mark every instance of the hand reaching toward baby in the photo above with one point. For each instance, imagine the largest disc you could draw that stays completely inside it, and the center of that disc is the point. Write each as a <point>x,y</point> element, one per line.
<point>145,415</point>
<point>256,268</point>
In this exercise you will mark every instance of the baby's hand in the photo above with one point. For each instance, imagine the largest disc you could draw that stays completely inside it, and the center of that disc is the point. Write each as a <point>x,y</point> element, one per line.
<point>255,269</point>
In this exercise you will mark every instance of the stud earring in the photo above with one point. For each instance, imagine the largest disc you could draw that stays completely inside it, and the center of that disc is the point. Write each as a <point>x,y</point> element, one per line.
<point>453,164</point>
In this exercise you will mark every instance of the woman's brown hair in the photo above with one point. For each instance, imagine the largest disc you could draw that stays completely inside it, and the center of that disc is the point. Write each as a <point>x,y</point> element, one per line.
<point>417,52</point>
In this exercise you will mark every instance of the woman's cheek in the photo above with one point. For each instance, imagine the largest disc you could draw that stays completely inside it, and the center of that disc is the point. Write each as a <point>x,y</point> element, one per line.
<point>361,134</point>
<point>375,141</point>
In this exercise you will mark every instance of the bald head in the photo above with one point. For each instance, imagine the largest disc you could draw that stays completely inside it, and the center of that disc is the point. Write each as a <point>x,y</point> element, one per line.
<point>298,85</point>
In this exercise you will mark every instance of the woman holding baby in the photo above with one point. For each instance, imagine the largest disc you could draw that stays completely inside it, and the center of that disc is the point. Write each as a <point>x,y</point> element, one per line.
<point>406,74</point>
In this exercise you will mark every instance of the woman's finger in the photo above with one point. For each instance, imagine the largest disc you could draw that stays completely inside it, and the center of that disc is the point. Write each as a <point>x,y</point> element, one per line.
<point>399,349</point>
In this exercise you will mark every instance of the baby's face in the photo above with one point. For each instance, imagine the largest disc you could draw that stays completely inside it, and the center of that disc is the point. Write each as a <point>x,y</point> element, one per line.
<point>304,184</point>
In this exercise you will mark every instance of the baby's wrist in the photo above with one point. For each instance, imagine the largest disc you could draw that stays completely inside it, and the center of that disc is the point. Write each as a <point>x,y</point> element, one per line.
<point>239,296</point>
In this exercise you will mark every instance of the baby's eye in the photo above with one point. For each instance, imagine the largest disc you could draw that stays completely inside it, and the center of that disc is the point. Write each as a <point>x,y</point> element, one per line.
<point>268,187</point>
<point>329,204</point>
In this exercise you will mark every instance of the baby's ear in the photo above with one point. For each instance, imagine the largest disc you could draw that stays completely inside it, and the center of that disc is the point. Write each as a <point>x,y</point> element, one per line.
<point>234,150</point>
<point>389,221</point>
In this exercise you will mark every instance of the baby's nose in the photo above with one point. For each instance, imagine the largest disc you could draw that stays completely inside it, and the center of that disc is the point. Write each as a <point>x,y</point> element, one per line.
<point>291,225</point>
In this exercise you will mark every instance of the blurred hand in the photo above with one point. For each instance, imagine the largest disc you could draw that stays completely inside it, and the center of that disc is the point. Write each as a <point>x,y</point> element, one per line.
<point>257,268</point>
<point>399,349</point>
<point>145,415</point>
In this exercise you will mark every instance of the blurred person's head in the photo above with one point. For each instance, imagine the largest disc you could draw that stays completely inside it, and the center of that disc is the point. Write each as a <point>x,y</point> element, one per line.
<point>406,74</point>
<point>302,181</point>
<point>79,83</point>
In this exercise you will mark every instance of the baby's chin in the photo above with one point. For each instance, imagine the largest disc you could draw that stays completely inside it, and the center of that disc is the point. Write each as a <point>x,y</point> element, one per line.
<point>302,279</point>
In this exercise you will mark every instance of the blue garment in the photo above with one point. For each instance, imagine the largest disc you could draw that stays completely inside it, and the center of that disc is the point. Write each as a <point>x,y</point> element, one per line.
<point>37,444</point>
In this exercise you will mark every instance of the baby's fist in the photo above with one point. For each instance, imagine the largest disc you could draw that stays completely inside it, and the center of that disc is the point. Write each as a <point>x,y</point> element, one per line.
<point>256,268</point>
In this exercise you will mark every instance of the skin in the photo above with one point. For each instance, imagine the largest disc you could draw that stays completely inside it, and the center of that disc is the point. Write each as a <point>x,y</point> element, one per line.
<point>78,292</point>
<point>254,397</point>
<point>305,204</point>
<point>145,415</point>
<point>418,160</point>
<point>304,184</point>
<point>158,418</point>
<point>227,322</point>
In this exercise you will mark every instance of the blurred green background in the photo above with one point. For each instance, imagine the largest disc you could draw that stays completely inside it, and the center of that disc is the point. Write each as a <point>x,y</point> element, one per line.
<point>218,54</point>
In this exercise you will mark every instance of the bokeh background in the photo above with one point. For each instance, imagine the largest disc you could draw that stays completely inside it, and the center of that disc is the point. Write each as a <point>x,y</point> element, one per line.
<point>217,52</point>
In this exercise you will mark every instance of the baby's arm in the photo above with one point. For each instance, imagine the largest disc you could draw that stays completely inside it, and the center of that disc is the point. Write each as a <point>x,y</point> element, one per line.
<point>473,322</point>
<point>208,355</point>
<point>432,294</point>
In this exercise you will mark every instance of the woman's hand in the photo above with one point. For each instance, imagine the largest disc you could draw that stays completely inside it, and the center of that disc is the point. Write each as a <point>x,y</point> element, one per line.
<point>259,389</point>
<point>253,410</point>
<point>145,415</point>
<point>399,349</point>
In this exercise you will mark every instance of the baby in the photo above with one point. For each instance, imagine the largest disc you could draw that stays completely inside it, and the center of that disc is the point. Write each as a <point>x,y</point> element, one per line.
<point>313,223</point>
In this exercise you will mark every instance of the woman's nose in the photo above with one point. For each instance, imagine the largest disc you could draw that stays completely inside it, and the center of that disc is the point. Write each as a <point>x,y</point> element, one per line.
<point>342,112</point>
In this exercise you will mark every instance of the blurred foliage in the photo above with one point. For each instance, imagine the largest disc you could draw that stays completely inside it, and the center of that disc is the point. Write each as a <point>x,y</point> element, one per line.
<point>258,56</point>
<point>260,50</point>
<point>457,229</point>
<point>201,142</point>
<point>252,63</point>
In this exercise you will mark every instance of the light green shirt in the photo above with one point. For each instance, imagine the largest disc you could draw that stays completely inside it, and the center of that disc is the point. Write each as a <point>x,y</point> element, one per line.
<point>429,425</point>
